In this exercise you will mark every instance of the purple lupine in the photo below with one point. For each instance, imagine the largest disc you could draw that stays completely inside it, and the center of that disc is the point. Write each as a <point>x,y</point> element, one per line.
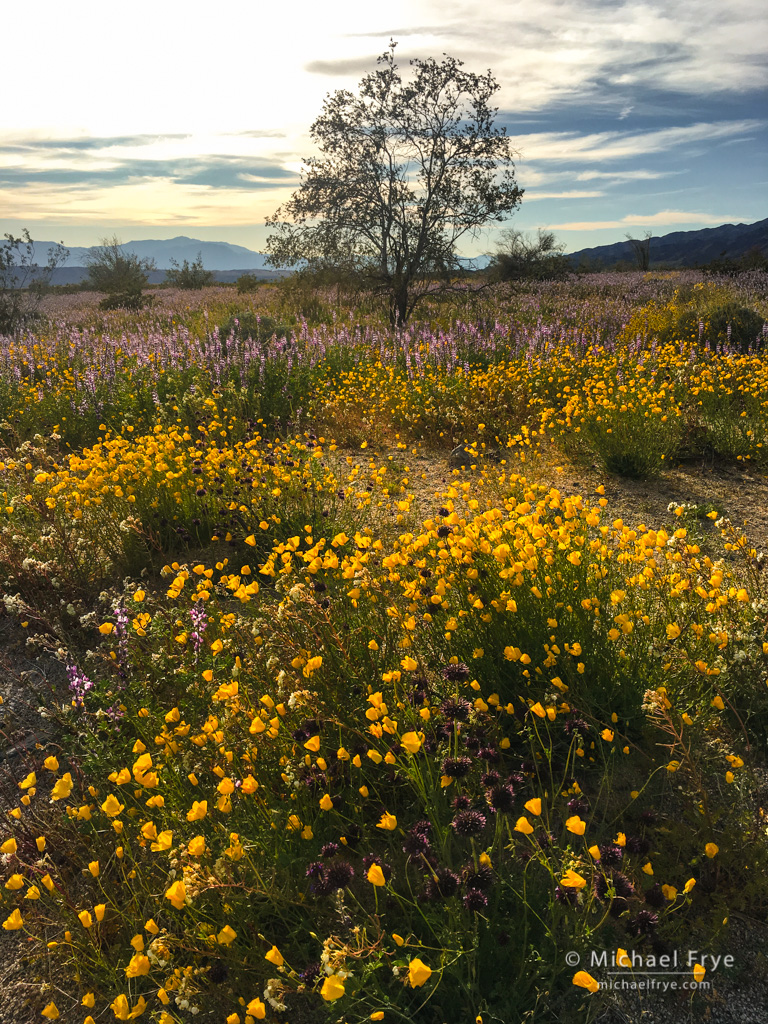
<point>79,684</point>
<point>121,635</point>
<point>199,620</point>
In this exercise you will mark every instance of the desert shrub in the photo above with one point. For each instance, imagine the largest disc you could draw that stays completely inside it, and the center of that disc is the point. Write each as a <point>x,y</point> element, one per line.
<point>247,283</point>
<point>729,323</point>
<point>188,276</point>
<point>116,272</point>
<point>737,325</point>
<point>253,325</point>
<point>132,301</point>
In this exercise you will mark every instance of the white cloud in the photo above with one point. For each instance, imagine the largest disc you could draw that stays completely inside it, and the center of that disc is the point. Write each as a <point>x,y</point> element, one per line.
<point>554,49</point>
<point>603,146</point>
<point>665,218</point>
<point>156,202</point>
<point>238,84</point>
<point>615,177</point>
<point>530,196</point>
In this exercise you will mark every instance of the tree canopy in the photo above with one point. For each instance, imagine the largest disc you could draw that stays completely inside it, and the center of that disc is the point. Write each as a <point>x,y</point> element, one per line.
<point>521,257</point>
<point>408,169</point>
<point>120,274</point>
<point>22,280</point>
<point>189,276</point>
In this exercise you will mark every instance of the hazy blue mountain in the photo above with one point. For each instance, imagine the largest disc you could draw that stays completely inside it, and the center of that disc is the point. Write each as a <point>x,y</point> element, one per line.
<point>76,275</point>
<point>683,248</point>
<point>677,249</point>
<point>215,255</point>
<point>475,262</point>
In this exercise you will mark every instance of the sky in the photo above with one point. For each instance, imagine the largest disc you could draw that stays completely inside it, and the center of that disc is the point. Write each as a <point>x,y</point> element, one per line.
<point>150,120</point>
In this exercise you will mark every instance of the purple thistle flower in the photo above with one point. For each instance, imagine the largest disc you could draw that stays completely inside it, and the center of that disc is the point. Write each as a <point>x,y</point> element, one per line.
<point>475,901</point>
<point>457,767</point>
<point>468,823</point>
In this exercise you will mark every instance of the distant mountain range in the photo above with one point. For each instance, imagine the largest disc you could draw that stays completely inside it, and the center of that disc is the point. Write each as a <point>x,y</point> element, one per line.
<point>682,248</point>
<point>228,261</point>
<point>215,255</point>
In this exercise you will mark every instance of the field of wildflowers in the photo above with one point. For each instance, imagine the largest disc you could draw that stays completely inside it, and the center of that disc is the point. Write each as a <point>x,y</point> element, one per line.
<point>339,748</point>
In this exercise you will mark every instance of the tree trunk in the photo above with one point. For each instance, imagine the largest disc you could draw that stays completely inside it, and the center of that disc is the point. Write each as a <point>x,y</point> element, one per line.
<point>398,306</point>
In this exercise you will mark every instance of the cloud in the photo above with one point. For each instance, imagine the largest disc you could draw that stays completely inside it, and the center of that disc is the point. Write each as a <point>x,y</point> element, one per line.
<point>218,171</point>
<point>159,202</point>
<point>663,219</point>
<point>598,147</point>
<point>529,196</point>
<point>592,52</point>
<point>618,177</point>
<point>592,48</point>
<point>342,67</point>
<point>396,33</point>
<point>267,133</point>
<point>84,144</point>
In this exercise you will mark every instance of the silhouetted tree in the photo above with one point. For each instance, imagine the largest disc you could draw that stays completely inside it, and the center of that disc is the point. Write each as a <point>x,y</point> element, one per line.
<point>641,250</point>
<point>409,168</point>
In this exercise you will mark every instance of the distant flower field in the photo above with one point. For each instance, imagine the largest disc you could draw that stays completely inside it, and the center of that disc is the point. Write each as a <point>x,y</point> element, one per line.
<point>336,747</point>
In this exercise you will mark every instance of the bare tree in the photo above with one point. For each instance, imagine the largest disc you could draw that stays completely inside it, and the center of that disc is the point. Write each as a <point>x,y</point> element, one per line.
<point>641,250</point>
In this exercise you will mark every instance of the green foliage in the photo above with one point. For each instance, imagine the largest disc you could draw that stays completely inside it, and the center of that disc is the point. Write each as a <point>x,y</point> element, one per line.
<point>248,324</point>
<point>131,301</point>
<point>755,258</point>
<point>522,258</point>
<point>248,283</point>
<point>189,276</point>
<point>120,274</point>
<point>23,281</point>
<point>305,293</point>
<point>712,326</point>
<point>737,325</point>
<point>409,168</point>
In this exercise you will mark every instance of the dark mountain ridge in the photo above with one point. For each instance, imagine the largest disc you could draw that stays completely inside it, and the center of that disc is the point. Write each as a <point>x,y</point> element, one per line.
<point>682,248</point>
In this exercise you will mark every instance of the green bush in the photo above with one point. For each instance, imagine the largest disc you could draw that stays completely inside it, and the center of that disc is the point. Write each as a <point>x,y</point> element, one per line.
<point>131,300</point>
<point>247,283</point>
<point>190,276</point>
<point>22,282</point>
<point>252,325</point>
<point>116,272</point>
<point>746,326</point>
